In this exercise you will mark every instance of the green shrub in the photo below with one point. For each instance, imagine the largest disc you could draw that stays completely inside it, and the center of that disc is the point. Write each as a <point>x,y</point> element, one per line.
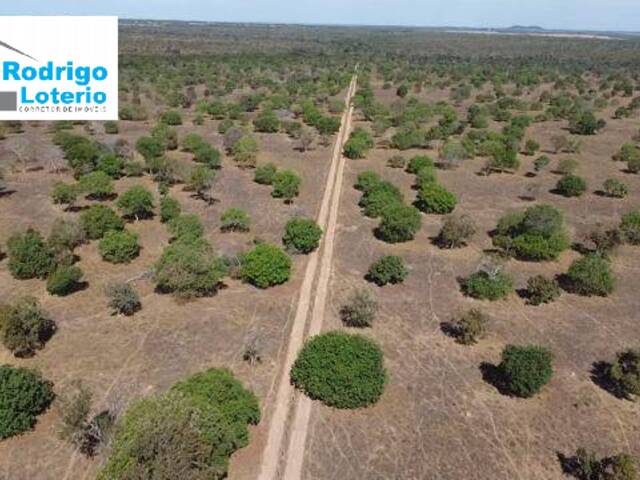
<point>137,202</point>
<point>359,143</point>
<point>633,165</point>
<point>470,327</point>
<point>380,196</point>
<point>188,268</point>
<point>24,395</point>
<point>536,234</point>
<point>367,181</point>
<point>207,155</point>
<point>111,164</point>
<point>630,227</point>
<point>301,235</point>
<point>397,161</point>
<point>123,299</point>
<point>166,437</point>
<point>169,209</point>
<point>192,141</point>
<point>567,166</point>
<point>587,466</point>
<point>29,255</point>
<point>64,194</point>
<point>264,174</point>
<point>585,123</point>
<point>531,147</point>
<point>235,219</point>
<point>614,188</point>
<point>189,432</point>
<point>150,147</point>
<point>387,269</point>
<point>456,231</point>
<point>186,226</point>
<point>25,327</point>
<point>340,370</point>
<point>488,286</point>
<point>434,198</point>
<point>266,266</point>
<point>591,275</point>
<point>418,163</point>
<point>65,236</point>
<point>425,176</point>
<point>119,246</point>
<point>526,369</point>
<point>360,311</point>
<point>267,122</point>
<point>216,390</point>
<point>399,223</point>
<point>571,186</point>
<point>286,185</point>
<point>171,117</point>
<point>98,220</point>
<point>541,162</point>
<point>111,128</point>
<point>625,372</point>
<point>541,289</point>
<point>97,185</point>
<point>245,151</point>
<point>64,280</point>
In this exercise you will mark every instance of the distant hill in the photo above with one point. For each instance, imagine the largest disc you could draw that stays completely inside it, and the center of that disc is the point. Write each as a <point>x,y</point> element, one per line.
<point>523,28</point>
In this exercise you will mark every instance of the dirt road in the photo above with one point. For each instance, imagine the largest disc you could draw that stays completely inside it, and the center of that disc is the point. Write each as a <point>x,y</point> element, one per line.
<point>320,259</point>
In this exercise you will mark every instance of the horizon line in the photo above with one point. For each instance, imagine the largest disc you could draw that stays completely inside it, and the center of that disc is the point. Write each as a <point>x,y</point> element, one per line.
<point>389,25</point>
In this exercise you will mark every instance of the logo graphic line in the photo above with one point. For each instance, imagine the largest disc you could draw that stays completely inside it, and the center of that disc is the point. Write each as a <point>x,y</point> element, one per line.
<point>6,45</point>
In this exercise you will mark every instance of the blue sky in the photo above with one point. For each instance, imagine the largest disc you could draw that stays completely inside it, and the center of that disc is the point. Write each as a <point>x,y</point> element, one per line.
<point>570,14</point>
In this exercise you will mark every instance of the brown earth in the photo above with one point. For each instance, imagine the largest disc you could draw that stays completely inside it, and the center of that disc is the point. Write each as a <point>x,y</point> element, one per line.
<point>438,418</point>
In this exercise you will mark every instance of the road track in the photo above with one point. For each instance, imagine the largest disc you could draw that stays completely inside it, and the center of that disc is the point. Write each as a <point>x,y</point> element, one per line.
<point>276,458</point>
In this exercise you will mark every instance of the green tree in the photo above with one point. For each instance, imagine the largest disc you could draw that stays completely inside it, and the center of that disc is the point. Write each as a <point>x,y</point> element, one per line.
<point>64,194</point>
<point>264,174</point>
<point>98,220</point>
<point>188,268</point>
<point>387,269</point>
<point>434,198</point>
<point>169,209</point>
<point>286,185</point>
<point>340,370</point>
<point>526,369</point>
<point>301,235</point>
<point>29,255</point>
<point>591,275</point>
<point>119,246</point>
<point>399,223</point>
<point>137,202</point>
<point>25,327</point>
<point>235,220</point>
<point>97,185</point>
<point>266,266</point>
<point>24,395</point>
<point>64,280</point>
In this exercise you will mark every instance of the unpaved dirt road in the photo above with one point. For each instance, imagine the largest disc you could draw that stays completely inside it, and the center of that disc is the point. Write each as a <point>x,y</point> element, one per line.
<point>274,451</point>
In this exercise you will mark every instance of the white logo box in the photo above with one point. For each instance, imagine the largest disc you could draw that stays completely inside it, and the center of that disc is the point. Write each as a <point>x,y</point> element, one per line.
<point>60,50</point>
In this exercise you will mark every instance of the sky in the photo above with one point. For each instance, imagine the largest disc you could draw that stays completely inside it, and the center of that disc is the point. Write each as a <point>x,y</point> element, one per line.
<point>554,14</point>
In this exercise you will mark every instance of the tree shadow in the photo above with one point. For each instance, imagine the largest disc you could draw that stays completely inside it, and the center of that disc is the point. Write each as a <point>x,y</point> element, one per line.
<point>527,198</point>
<point>600,376</point>
<point>7,193</point>
<point>569,465</point>
<point>493,375</point>
<point>449,329</point>
<point>581,248</point>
